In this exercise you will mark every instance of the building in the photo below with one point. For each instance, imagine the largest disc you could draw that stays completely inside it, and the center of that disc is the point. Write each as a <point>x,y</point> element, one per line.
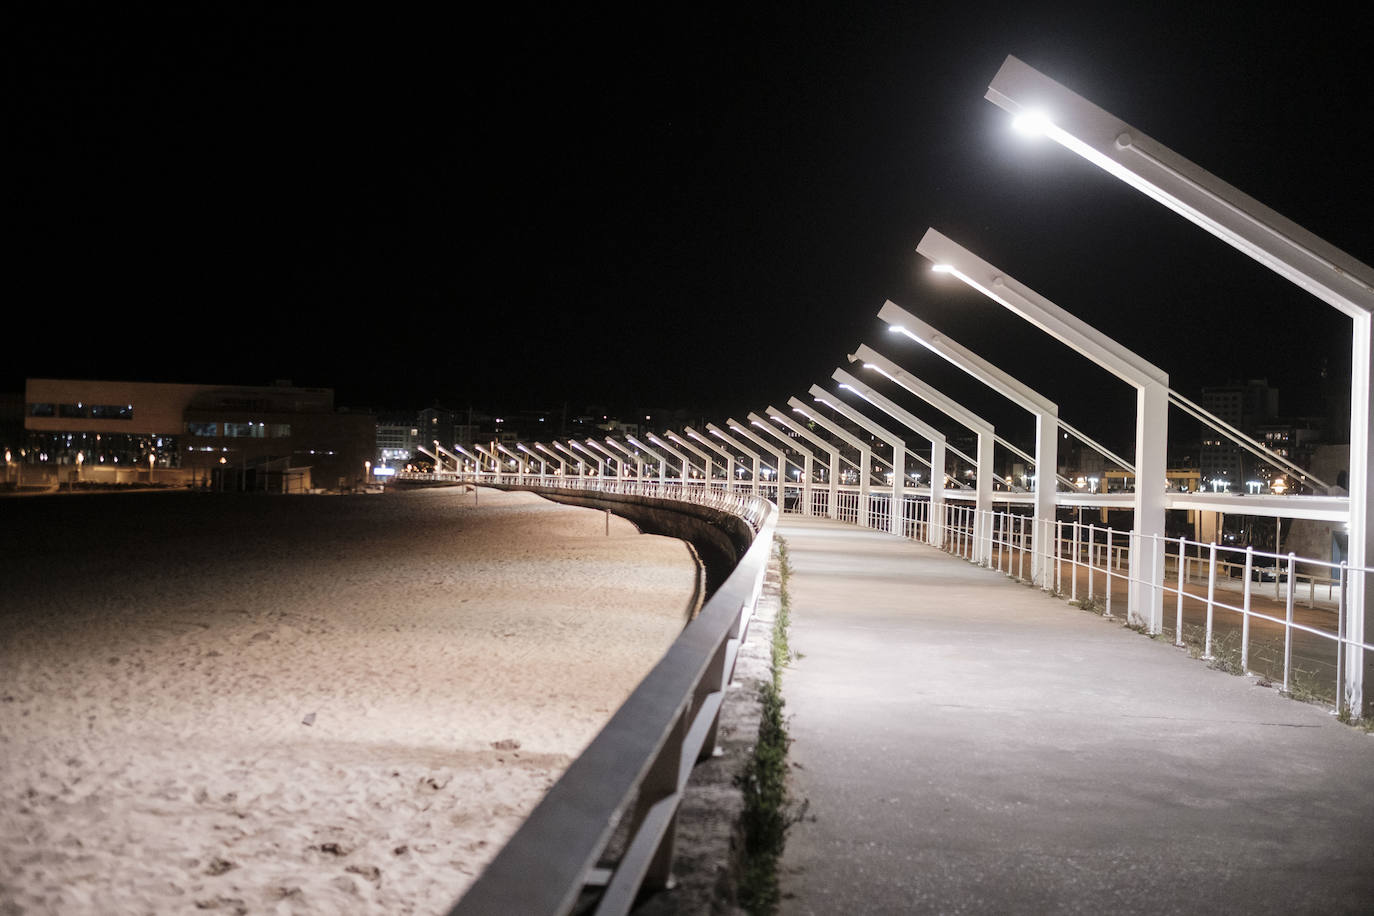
<point>1246,406</point>
<point>276,437</point>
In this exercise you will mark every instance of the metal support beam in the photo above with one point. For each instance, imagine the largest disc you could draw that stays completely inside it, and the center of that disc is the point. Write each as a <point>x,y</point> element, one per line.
<point>980,427</point>
<point>722,435</point>
<point>777,416</point>
<point>1247,225</point>
<point>897,443</point>
<point>743,431</point>
<point>808,458</point>
<point>1045,412</point>
<point>1145,605</point>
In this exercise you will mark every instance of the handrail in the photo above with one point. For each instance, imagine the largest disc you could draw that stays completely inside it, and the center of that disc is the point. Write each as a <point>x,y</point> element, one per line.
<point>638,765</point>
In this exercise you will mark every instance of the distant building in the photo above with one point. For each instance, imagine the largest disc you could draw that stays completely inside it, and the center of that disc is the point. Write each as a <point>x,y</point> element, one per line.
<point>1246,406</point>
<point>241,437</point>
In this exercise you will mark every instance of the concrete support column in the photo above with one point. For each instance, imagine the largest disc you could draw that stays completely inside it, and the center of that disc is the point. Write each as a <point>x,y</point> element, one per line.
<point>898,489</point>
<point>982,521</point>
<point>1146,604</point>
<point>1359,612</point>
<point>1046,465</point>
<point>934,531</point>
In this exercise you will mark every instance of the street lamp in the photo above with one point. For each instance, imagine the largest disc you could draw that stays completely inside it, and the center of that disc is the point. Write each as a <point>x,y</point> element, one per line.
<point>1146,597</point>
<point>1247,225</point>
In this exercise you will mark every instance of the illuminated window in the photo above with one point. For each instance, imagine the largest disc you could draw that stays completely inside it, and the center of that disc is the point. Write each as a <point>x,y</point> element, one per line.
<point>42,410</point>
<point>202,429</point>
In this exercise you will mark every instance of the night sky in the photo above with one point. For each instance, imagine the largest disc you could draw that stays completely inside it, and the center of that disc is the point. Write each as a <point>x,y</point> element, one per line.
<point>676,207</point>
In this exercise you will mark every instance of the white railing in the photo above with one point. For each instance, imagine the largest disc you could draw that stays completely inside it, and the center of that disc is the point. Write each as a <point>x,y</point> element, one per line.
<point>605,829</point>
<point>1239,607</point>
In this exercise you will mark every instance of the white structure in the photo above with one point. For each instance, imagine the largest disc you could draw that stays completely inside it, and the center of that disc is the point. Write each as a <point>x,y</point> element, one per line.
<point>833,475</point>
<point>754,456</point>
<point>1146,601</point>
<point>938,446</point>
<point>728,456</point>
<point>808,457</point>
<point>865,464</point>
<point>897,443</point>
<point>1045,412</point>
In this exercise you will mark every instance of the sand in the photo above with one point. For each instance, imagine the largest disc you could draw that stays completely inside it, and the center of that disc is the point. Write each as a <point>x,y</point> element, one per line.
<point>303,704</point>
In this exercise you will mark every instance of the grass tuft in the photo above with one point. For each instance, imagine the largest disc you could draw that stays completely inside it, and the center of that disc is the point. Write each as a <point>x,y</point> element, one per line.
<point>768,808</point>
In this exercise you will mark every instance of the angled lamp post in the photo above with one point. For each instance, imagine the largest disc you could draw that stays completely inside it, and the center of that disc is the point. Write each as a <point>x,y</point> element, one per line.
<point>600,462</point>
<point>744,432</point>
<point>782,419</point>
<point>517,458</point>
<point>576,458</point>
<point>1146,604</point>
<point>985,438</point>
<point>624,449</point>
<point>865,465</point>
<point>935,528</point>
<point>685,466</point>
<point>543,462</point>
<point>727,455</point>
<point>611,456</point>
<point>705,458</point>
<point>1045,412</point>
<point>754,456</point>
<point>662,462</point>
<point>897,443</point>
<point>562,462</point>
<point>808,458</point>
<point>1249,226</point>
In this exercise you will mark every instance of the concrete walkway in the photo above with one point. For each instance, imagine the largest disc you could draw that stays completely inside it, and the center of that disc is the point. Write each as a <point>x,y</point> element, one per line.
<point>970,745</point>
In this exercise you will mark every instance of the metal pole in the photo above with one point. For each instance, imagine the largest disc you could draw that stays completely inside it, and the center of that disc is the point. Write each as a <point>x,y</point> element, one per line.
<point>1211,598</point>
<point>1245,618</point>
<point>1182,576</point>
<point>1288,625</point>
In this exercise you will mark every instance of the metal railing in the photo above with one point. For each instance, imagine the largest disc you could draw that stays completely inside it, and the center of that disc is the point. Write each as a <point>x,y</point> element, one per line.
<point>604,831</point>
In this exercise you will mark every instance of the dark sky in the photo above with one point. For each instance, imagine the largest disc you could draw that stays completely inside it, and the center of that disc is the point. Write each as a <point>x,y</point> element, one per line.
<point>676,207</point>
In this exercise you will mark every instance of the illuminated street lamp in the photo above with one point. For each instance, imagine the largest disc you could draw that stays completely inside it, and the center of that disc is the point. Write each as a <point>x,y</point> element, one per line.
<point>562,462</point>
<point>1146,596</point>
<point>600,462</point>
<point>543,462</point>
<point>705,458</point>
<point>808,458</point>
<point>1247,225</point>
<point>1045,412</point>
<point>744,432</point>
<point>727,455</point>
<point>897,443</point>
<point>686,463</point>
<point>934,530</point>
<point>633,456</point>
<point>577,459</point>
<point>864,468</point>
<point>611,456</point>
<point>832,502</point>
<point>754,456</point>
<point>662,462</point>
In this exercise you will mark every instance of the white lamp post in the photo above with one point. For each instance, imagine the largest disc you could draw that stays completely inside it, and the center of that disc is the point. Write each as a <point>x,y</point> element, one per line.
<point>728,456</point>
<point>1243,222</point>
<point>831,507</point>
<point>865,465</point>
<point>808,458</point>
<point>897,443</point>
<point>935,529</point>
<point>1146,603</point>
<point>754,456</point>
<point>1045,412</point>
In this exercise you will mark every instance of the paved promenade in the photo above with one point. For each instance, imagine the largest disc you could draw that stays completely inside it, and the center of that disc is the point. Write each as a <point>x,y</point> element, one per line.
<point>971,745</point>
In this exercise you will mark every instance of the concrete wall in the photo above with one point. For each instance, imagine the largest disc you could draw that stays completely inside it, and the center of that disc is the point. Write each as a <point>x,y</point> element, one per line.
<point>719,538</point>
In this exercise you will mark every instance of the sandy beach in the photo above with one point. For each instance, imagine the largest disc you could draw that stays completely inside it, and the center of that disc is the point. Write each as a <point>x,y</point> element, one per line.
<point>302,705</point>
